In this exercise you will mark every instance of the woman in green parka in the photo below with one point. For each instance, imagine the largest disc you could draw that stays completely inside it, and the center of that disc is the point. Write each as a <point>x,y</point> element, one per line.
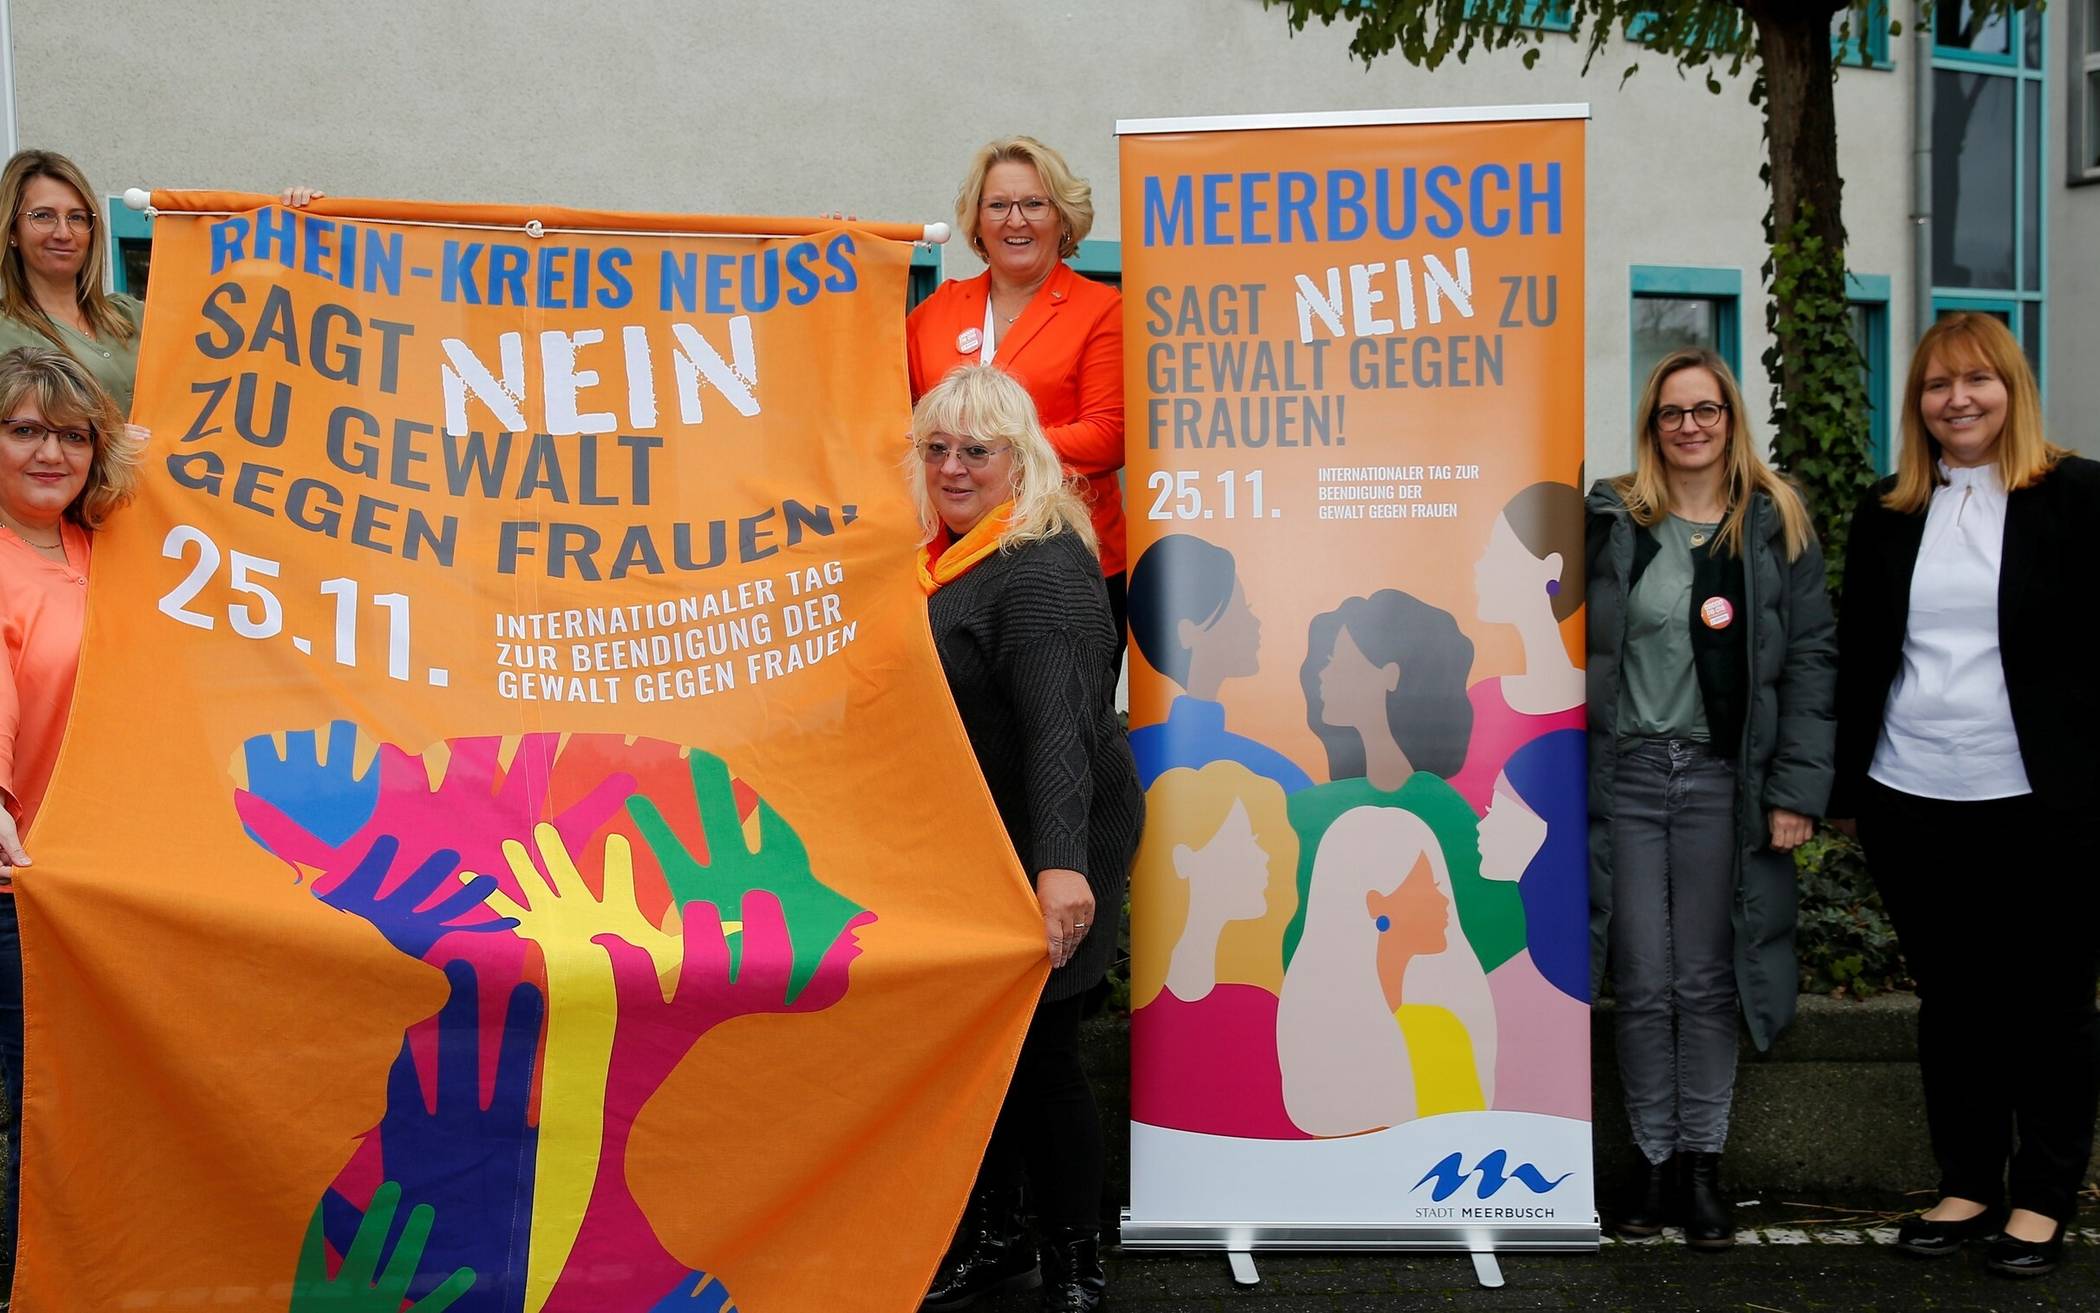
<point>1712,661</point>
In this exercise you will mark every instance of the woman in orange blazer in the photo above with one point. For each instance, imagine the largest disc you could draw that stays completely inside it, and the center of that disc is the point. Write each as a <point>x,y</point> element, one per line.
<point>1059,334</point>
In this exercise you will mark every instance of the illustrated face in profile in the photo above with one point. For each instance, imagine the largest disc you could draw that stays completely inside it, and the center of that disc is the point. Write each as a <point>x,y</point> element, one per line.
<point>1226,648</point>
<point>1228,876</point>
<point>1412,921</point>
<point>1352,690</point>
<point>1509,583</point>
<point>1511,834</point>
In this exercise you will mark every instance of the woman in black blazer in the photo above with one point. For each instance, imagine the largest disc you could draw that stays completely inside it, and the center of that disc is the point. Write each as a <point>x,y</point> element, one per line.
<point>1968,728</point>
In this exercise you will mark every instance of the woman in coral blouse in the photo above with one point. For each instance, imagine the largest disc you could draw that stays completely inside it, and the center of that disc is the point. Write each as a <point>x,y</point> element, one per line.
<point>1024,213</point>
<point>65,465</point>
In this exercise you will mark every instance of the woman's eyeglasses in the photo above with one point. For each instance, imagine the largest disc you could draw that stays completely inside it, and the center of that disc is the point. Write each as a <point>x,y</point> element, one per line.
<point>1706,414</point>
<point>45,221</point>
<point>1032,208</point>
<point>29,435</point>
<point>973,455</point>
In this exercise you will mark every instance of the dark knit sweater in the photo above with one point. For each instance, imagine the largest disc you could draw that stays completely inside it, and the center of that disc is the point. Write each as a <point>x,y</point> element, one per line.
<point>1025,638</point>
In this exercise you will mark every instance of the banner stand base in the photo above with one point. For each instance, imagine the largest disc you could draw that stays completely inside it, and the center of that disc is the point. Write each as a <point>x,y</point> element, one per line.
<point>1486,1270</point>
<point>1243,1272</point>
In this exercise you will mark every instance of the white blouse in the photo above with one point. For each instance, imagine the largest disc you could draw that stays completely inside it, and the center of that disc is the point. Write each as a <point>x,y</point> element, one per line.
<point>1947,731</point>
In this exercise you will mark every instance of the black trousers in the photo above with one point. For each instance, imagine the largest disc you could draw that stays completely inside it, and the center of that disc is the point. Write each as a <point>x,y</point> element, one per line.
<point>1994,903</point>
<point>1049,1131</point>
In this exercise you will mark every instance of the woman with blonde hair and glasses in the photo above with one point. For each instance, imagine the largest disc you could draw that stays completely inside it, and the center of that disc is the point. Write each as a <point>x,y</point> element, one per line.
<point>1024,213</point>
<point>1013,591</point>
<point>51,279</point>
<point>63,472</point>
<point>1966,750</point>
<point>1711,663</point>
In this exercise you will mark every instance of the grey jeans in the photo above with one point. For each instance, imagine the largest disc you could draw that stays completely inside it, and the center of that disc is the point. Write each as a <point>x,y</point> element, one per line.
<point>1673,944</point>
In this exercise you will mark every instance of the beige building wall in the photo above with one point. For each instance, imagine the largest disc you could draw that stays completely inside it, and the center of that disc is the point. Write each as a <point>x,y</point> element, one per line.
<point>802,106</point>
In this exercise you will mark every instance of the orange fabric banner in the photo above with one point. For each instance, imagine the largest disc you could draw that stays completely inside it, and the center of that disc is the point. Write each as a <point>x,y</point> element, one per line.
<point>513,849</point>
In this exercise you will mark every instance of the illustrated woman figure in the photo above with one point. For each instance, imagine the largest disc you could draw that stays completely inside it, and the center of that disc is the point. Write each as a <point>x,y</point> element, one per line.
<point>1385,690</point>
<point>1534,835</point>
<point>1214,886</point>
<point>1384,967</point>
<point>1189,617</point>
<point>1530,577</point>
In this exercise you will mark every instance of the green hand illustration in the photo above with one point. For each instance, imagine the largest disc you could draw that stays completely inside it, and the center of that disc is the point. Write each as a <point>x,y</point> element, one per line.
<point>816,913</point>
<point>359,1286</point>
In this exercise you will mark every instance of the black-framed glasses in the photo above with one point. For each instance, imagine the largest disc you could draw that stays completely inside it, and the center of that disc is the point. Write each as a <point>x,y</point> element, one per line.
<point>1032,208</point>
<point>45,220</point>
<point>29,434</point>
<point>973,455</point>
<point>1706,414</point>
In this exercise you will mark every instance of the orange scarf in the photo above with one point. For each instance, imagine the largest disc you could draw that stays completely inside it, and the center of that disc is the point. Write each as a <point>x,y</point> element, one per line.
<point>965,552</point>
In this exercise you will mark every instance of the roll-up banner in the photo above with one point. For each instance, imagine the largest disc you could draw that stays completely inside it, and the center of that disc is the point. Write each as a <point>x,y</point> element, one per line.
<point>1360,984</point>
<point>490,864</point>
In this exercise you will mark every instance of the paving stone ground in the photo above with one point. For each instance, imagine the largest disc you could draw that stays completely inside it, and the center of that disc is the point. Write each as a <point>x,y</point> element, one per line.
<point>1786,1260</point>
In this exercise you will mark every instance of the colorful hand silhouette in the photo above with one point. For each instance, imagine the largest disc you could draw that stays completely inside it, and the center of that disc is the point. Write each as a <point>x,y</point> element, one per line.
<point>359,1286</point>
<point>727,869</point>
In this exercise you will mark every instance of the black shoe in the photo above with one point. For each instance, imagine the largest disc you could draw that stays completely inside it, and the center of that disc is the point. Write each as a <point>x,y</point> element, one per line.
<point>991,1253</point>
<point>2009,1257</point>
<point>1073,1280</point>
<point>1709,1221</point>
<point>1926,1239</point>
<point>1656,1204</point>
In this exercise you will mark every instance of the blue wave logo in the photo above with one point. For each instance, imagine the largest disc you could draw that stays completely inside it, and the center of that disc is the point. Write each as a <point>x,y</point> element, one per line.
<point>1494,1172</point>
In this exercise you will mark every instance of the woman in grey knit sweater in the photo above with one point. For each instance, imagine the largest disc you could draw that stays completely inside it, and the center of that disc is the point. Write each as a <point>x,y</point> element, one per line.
<point>1022,623</point>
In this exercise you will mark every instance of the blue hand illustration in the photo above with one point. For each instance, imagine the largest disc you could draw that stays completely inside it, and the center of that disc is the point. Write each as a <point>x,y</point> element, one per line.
<point>359,1285</point>
<point>400,914</point>
<point>325,796</point>
<point>473,1165</point>
<point>698,1293</point>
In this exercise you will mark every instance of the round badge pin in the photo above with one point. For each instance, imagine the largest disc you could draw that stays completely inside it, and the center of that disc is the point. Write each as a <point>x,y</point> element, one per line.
<point>1717,613</point>
<point>969,340</point>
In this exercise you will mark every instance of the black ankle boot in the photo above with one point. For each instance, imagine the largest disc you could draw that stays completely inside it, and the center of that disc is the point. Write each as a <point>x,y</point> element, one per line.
<point>991,1253</point>
<point>1073,1279</point>
<point>1710,1223</point>
<point>1654,1204</point>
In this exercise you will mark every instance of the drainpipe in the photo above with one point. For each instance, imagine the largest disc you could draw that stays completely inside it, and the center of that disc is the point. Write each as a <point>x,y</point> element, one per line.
<point>1921,181</point>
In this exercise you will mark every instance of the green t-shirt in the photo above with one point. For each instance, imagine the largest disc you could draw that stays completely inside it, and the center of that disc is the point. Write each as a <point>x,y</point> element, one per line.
<point>114,361</point>
<point>1491,912</point>
<point>1659,693</point>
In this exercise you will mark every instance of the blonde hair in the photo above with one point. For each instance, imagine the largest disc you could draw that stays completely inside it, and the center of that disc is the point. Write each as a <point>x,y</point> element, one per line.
<point>1646,491</point>
<point>1964,341</point>
<point>1070,193</point>
<point>1187,808</point>
<point>985,404</point>
<point>65,393</point>
<point>16,302</point>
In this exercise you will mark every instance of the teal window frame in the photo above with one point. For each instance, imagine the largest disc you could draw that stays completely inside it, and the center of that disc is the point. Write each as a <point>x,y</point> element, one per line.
<point>1690,283</point>
<point>1546,15</point>
<point>125,226</point>
<point>1963,55</point>
<point>2013,301</point>
<point>925,274</point>
<point>1100,259</point>
<point>1868,46</point>
<point>1871,292</point>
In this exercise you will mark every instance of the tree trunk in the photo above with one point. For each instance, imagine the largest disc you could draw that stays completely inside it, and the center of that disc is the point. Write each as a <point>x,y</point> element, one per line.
<point>1793,42</point>
<point>1820,412</point>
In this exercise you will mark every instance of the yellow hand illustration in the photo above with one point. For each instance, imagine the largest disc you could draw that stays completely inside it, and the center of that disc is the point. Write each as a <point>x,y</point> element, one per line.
<point>562,916</point>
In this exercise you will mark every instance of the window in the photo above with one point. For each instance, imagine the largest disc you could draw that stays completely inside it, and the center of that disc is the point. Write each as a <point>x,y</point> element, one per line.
<point>1099,260</point>
<point>1678,307</point>
<point>1867,43</point>
<point>130,246</point>
<point>1552,15</point>
<point>1988,83</point>
<point>1867,301</point>
<point>2085,93</point>
<point>925,274</point>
